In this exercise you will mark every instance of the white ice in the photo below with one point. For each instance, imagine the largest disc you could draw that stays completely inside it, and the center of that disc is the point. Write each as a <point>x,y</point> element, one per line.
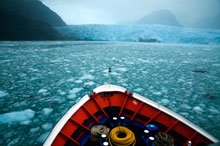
<point>47,126</point>
<point>165,102</point>
<point>17,116</point>
<point>89,83</point>
<point>25,122</point>
<point>78,81</point>
<point>70,79</point>
<point>72,93</point>
<point>198,110</point>
<point>87,76</point>
<point>75,90</point>
<point>43,137</point>
<point>47,111</point>
<point>157,93</point>
<point>3,93</point>
<point>13,142</point>
<point>33,130</point>
<point>42,91</point>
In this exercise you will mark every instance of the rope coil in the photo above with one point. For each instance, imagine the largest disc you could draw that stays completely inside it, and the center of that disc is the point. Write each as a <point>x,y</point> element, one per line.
<point>121,136</point>
<point>97,131</point>
<point>162,139</point>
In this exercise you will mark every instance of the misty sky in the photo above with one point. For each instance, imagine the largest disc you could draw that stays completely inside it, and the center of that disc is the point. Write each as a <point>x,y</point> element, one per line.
<point>117,11</point>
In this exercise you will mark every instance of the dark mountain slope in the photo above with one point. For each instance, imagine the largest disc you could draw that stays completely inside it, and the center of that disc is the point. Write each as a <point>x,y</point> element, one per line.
<point>14,26</point>
<point>33,9</point>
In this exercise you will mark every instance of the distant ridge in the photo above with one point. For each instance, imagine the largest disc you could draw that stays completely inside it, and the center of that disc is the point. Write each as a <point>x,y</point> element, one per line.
<point>163,17</point>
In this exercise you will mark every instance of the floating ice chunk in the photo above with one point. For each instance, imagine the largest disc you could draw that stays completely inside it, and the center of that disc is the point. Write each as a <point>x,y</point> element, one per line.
<point>17,116</point>
<point>61,92</point>
<point>9,134</point>
<point>47,111</point>
<point>34,69</point>
<point>165,102</point>
<point>87,77</point>
<point>122,69</point>
<point>43,137</point>
<point>71,96</point>
<point>157,93</point>
<point>180,80</point>
<point>73,93</point>
<point>75,90</point>
<point>78,81</point>
<point>185,106</point>
<point>42,91</point>
<point>184,114</point>
<point>13,142</point>
<point>214,111</point>
<point>89,83</point>
<point>25,122</point>
<point>151,87</point>
<point>138,90</point>
<point>198,109</point>
<point>33,130</point>
<point>2,94</point>
<point>47,126</point>
<point>70,79</point>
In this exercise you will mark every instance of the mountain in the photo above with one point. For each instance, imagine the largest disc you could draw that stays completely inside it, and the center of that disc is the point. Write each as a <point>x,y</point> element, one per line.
<point>28,20</point>
<point>14,26</point>
<point>33,9</point>
<point>209,22</point>
<point>163,17</point>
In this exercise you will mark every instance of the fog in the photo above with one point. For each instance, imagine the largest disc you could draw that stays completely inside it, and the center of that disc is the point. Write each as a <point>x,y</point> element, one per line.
<point>187,12</point>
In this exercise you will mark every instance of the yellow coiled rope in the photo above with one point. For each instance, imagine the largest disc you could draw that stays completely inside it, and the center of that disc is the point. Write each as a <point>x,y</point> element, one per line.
<point>121,136</point>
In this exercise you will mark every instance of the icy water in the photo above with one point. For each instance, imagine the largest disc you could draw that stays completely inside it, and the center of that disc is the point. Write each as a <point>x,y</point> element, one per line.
<point>40,81</point>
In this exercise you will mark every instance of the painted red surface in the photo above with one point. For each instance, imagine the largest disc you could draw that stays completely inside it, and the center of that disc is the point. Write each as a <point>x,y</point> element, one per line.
<point>123,101</point>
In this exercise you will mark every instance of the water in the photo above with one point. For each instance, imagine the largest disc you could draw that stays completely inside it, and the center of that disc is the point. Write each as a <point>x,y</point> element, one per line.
<point>40,81</point>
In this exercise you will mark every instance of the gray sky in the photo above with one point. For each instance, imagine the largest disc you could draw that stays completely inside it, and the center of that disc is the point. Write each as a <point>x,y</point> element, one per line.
<point>115,11</point>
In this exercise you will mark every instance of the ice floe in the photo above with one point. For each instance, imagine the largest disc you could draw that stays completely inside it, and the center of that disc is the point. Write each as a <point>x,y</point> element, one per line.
<point>47,111</point>
<point>47,126</point>
<point>70,79</point>
<point>26,122</point>
<point>61,92</point>
<point>42,91</point>
<point>3,93</point>
<point>122,69</point>
<point>87,76</point>
<point>165,102</point>
<point>73,92</point>
<point>33,130</point>
<point>17,116</point>
<point>13,142</point>
<point>198,110</point>
<point>157,93</point>
<point>43,137</point>
<point>78,81</point>
<point>89,83</point>
<point>214,110</point>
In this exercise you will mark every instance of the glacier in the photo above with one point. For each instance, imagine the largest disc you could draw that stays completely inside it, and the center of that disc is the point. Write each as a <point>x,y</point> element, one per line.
<point>136,33</point>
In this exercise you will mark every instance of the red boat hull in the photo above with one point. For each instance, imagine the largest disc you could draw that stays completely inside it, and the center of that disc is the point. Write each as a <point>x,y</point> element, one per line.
<point>106,101</point>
